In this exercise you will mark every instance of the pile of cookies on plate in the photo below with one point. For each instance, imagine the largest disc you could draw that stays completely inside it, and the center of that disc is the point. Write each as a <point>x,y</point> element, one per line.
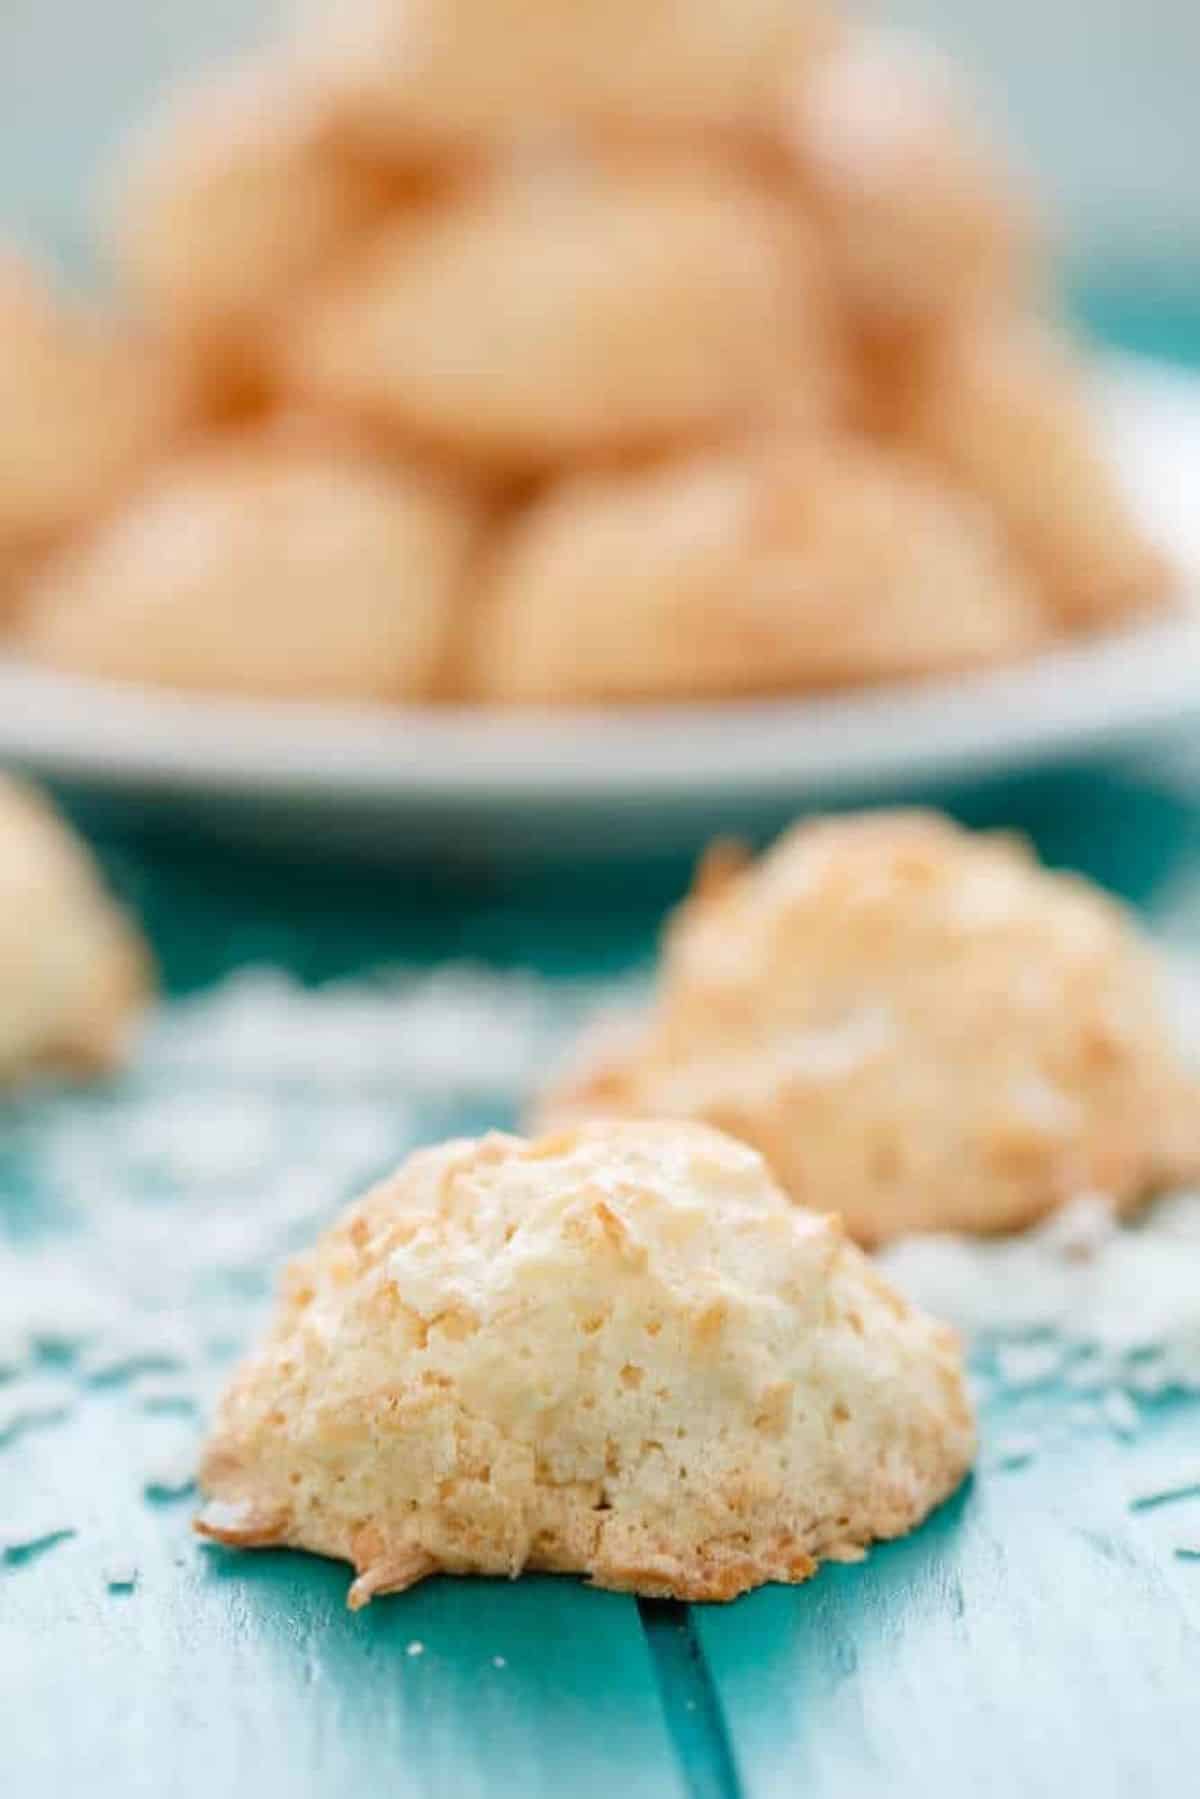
<point>528,354</point>
<point>642,1344</point>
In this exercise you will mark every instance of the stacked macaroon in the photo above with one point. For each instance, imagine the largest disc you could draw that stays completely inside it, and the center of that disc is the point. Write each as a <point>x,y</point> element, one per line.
<point>535,353</point>
<point>75,972</point>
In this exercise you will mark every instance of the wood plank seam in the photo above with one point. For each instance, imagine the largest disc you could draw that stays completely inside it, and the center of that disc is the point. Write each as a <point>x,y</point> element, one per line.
<point>690,1702</point>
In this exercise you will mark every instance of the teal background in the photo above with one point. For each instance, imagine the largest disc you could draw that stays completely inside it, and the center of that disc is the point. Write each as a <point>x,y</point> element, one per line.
<point>1035,1635</point>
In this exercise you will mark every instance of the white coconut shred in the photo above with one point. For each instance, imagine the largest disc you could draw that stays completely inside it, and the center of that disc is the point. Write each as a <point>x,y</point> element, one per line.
<point>166,1203</point>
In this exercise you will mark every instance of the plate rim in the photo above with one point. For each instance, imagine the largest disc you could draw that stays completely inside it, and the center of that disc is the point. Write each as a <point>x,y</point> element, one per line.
<point>1114,686</point>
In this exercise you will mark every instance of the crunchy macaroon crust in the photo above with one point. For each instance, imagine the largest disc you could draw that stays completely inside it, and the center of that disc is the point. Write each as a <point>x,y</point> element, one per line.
<point>75,973</point>
<point>283,562</point>
<point>916,1025</point>
<point>617,1351</point>
<point>781,565</point>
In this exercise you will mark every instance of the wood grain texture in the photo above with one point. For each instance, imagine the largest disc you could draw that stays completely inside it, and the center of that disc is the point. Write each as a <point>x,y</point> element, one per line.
<point>1035,1638</point>
<point>233,1674</point>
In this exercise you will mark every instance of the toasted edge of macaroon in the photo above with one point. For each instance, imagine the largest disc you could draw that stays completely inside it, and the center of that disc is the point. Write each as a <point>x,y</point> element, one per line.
<point>617,1351</point>
<point>915,1024</point>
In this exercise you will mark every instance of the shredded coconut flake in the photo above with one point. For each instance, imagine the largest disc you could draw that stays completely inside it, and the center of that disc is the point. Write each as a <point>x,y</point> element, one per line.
<point>1014,1451</point>
<point>27,1533</point>
<point>1179,1485</point>
<point>258,1107</point>
<point>1108,1310</point>
<point>460,1030</point>
<point>1120,1413</point>
<point>35,1400</point>
<point>172,1479</point>
<point>120,1576</point>
<point>1029,1364</point>
<point>1112,1308</point>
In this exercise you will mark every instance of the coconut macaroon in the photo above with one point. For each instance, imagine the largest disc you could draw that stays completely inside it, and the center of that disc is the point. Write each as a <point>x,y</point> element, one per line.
<point>617,1352</point>
<point>17,567</point>
<point>786,566</point>
<point>999,405</point>
<point>919,218</point>
<point>274,564</point>
<point>74,972</point>
<point>917,1026</point>
<point>574,305</point>
<point>437,77</point>
<point>229,198</point>
<point>83,407</point>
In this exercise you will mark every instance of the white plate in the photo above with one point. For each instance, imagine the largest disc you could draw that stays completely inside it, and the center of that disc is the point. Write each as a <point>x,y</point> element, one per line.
<point>418,777</point>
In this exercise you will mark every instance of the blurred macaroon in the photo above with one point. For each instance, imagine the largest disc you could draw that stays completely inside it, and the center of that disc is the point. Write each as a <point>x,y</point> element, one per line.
<point>227,201</point>
<point>729,310</point>
<point>85,405</point>
<point>276,563</point>
<point>920,217</point>
<point>422,78</point>
<point>74,972</point>
<point>917,1027</point>
<point>769,568</point>
<point>571,305</point>
<point>999,405</point>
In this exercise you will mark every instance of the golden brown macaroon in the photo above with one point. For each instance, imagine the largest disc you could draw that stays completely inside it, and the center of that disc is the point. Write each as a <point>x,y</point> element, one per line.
<point>17,568</point>
<point>754,570</point>
<point>616,1352</point>
<point>229,201</point>
<point>574,305</point>
<point>919,217</point>
<point>1000,406</point>
<point>421,77</point>
<point>273,564</point>
<point>83,408</point>
<point>918,1027</point>
<point>74,972</point>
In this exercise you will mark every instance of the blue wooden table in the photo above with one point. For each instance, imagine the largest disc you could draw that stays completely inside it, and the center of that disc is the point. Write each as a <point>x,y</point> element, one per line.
<point>1036,1636</point>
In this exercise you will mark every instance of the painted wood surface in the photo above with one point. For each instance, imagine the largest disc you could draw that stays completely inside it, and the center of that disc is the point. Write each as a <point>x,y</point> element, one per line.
<point>1037,1637</point>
